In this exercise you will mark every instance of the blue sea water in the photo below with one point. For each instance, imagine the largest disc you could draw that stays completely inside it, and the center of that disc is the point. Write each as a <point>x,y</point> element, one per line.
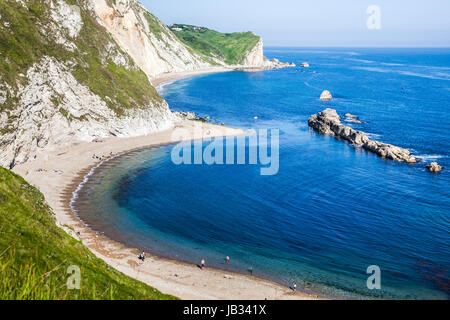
<point>332,210</point>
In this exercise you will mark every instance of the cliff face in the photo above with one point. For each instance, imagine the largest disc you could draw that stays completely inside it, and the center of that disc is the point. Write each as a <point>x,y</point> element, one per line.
<point>54,108</point>
<point>150,43</point>
<point>78,70</point>
<point>255,57</point>
<point>156,49</point>
<point>63,79</point>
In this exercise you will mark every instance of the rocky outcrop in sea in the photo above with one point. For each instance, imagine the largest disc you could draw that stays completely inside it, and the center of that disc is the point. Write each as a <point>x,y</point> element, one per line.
<point>328,122</point>
<point>434,167</point>
<point>267,65</point>
<point>326,96</point>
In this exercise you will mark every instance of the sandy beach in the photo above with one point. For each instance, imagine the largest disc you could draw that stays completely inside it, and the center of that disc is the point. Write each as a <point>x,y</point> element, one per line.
<point>170,77</point>
<point>58,174</point>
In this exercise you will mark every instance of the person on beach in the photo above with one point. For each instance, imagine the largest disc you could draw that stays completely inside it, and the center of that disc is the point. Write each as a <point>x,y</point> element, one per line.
<point>202,263</point>
<point>294,287</point>
<point>228,259</point>
<point>142,256</point>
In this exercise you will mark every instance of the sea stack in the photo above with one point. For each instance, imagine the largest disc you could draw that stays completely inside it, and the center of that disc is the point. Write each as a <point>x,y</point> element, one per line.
<point>328,122</point>
<point>326,96</point>
<point>434,167</point>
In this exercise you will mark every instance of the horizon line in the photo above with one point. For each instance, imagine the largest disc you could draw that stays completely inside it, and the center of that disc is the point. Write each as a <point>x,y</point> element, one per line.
<point>357,46</point>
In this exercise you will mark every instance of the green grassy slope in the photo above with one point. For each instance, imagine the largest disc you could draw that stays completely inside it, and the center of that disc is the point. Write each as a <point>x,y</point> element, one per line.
<point>35,254</point>
<point>228,47</point>
<point>28,39</point>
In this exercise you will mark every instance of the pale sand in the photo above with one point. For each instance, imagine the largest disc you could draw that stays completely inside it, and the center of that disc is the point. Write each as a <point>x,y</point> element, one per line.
<point>173,76</point>
<point>75,162</point>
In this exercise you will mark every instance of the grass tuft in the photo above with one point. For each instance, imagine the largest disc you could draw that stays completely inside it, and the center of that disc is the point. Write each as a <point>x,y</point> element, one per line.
<point>35,254</point>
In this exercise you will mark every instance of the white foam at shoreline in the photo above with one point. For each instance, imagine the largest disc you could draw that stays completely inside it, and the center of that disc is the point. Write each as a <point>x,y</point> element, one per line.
<point>374,136</point>
<point>429,157</point>
<point>85,180</point>
<point>161,87</point>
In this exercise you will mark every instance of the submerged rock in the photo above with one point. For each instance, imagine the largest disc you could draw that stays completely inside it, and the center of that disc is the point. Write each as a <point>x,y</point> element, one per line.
<point>434,167</point>
<point>326,96</point>
<point>328,122</point>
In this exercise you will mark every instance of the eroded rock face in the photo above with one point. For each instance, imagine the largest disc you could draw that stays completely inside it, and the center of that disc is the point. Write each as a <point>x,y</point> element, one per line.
<point>434,167</point>
<point>153,45</point>
<point>50,105</point>
<point>255,57</point>
<point>67,16</point>
<point>155,51</point>
<point>40,122</point>
<point>328,122</point>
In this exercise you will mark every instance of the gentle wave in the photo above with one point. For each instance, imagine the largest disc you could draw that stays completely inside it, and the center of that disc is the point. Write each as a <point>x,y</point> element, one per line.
<point>85,180</point>
<point>161,87</point>
<point>446,77</point>
<point>374,136</point>
<point>362,60</point>
<point>429,157</point>
<point>392,64</point>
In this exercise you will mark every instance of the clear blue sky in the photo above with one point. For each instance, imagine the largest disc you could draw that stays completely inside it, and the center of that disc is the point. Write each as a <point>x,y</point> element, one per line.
<point>415,23</point>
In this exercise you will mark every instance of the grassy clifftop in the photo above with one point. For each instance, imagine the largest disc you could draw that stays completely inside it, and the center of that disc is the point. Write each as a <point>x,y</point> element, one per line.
<point>228,47</point>
<point>35,254</point>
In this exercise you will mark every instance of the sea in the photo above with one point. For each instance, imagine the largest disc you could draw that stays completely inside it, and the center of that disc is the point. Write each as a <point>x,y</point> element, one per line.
<point>334,219</point>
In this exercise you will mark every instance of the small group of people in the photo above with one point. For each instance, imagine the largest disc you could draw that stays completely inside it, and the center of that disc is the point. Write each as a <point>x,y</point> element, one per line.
<point>142,256</point>
<point>202,262</point>
<point>94,156</point>
<point>102,157</point>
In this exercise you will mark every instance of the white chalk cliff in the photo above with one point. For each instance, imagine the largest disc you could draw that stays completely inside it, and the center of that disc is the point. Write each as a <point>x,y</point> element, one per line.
<point>154,51</point>
<point>79,115</point>
<point>56,97</point>
<point>153,46</point>
<point>255,57</point>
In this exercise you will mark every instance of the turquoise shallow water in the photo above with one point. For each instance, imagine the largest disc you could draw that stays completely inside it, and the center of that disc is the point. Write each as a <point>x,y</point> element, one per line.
<point>332,210</point>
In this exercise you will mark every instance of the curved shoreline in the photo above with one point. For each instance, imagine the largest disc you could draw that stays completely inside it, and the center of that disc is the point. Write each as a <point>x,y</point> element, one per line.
<point>167,78</point>
<point>60,176</point>
<point>84,176</point>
